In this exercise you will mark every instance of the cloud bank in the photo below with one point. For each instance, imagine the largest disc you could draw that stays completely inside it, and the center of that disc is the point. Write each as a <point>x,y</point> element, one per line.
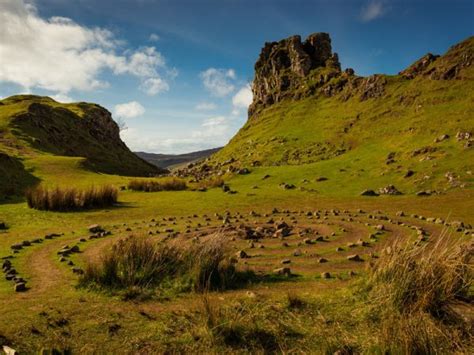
<point>60,55</point>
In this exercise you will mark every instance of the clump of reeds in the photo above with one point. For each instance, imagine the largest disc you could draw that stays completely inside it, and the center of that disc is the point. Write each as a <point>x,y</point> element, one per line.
<point>70,199</point>
<point>142,263</point>
<point>154,185</point>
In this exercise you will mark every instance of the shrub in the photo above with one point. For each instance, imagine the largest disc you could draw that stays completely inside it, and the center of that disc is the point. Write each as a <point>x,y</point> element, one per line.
<point>70,199</point>
<point>166,184</point>
<point>139,262</point>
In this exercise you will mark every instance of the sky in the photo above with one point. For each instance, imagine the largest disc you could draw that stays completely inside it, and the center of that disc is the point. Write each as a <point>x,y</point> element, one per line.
<point>176,74</point>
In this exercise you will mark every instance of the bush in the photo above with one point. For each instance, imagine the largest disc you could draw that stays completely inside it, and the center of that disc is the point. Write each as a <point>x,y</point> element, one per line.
<point>139,262</point>
<point>70,199</point>
<point>166,184</point>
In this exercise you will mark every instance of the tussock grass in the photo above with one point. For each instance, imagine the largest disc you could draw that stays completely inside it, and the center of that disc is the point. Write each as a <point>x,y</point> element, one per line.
<point>215,181</point>
<point>165,184</point>
<point>414,293</point>
<point>70,199</point>
<point>139,263</point>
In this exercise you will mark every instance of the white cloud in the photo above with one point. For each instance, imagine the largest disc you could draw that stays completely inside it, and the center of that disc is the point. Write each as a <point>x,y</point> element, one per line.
<point>60,55</point>
<point>213,132</point>
<point>153,86</point>
<point>206,106</point>
<point>154,37</point>
<point>130,109</point>
<point>373,10</point>
<point>242,99</point>
<point>219,82</point>
<point>59,97</point>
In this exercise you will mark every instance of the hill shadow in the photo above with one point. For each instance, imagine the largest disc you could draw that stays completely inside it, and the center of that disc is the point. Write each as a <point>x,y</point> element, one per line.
<point>14,179</point>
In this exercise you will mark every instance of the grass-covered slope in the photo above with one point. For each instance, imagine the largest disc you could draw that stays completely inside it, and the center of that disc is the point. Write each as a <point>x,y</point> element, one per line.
<point>365,141</point>
<point>39,134</point>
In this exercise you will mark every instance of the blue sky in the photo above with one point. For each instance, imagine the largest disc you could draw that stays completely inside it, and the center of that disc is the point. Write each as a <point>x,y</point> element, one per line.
<point>176,72</point>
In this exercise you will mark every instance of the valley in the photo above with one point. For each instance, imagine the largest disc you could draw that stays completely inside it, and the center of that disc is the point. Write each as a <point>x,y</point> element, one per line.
<point>341,212</point>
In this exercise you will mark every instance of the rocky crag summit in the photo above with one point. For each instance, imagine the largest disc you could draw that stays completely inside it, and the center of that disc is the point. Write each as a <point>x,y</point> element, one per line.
<point>294,69</point>
<point>283,68</point>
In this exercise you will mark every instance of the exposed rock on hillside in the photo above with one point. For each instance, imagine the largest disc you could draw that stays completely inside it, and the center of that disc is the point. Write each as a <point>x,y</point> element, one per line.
<point>446,67</point>
<point>284,66</point>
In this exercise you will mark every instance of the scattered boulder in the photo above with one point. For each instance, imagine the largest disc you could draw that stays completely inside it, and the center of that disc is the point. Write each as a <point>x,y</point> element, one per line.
<point>441,138</point>
<point>241,254</point>
<point>95,228</point>
<point>325,275</point>
<point>283,271</point>
<point>369,193</point>
<point>20,287</point>
<point>354,257</point>
<point>389,190</point>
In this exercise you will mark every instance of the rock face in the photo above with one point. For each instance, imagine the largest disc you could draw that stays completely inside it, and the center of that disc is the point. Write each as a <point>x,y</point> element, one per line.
<point>285,65</point>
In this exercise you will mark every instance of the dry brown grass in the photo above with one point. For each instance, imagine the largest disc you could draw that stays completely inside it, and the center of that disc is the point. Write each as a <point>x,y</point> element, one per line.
<point>142,263</point>
<point>414,292</point>
<point>71,199</point>
<point>165,184</point>
<point>215,181</point>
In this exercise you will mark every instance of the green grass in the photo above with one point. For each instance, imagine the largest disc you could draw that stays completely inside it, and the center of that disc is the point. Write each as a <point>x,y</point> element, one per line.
<point>321,316</point>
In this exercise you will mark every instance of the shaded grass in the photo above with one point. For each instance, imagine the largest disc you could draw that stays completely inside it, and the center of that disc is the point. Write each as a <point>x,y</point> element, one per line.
<point>70,199</point>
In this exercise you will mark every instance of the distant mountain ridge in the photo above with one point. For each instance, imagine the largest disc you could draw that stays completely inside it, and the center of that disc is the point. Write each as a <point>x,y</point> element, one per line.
<point>167,161</point>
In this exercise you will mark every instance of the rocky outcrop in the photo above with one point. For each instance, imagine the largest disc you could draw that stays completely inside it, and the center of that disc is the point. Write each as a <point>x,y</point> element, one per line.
<point>447,67</point>
<point>294,69</point>
<point>419,66</point>
<point>284,67</point>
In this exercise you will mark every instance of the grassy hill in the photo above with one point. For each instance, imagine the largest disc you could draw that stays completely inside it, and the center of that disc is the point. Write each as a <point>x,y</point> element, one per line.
<point>39,134</point>
<point>414,133</point>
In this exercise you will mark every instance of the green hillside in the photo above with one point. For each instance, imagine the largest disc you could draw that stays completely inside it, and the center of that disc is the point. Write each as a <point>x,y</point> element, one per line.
<point>44,139</point>
<point>413,130</point>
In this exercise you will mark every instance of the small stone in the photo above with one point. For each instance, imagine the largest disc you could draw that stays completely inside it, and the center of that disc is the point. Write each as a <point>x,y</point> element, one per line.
<point>241,254</point>
<point>325,275</point>
<point>369,193</point>
<point>283,271</point>
<point>20,287</point>
<point>286,261</point>
<point>354,257</point>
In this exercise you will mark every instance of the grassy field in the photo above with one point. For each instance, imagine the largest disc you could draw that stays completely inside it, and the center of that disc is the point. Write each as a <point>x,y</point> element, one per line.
<point>54,313</point>
<point>324,269</point>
